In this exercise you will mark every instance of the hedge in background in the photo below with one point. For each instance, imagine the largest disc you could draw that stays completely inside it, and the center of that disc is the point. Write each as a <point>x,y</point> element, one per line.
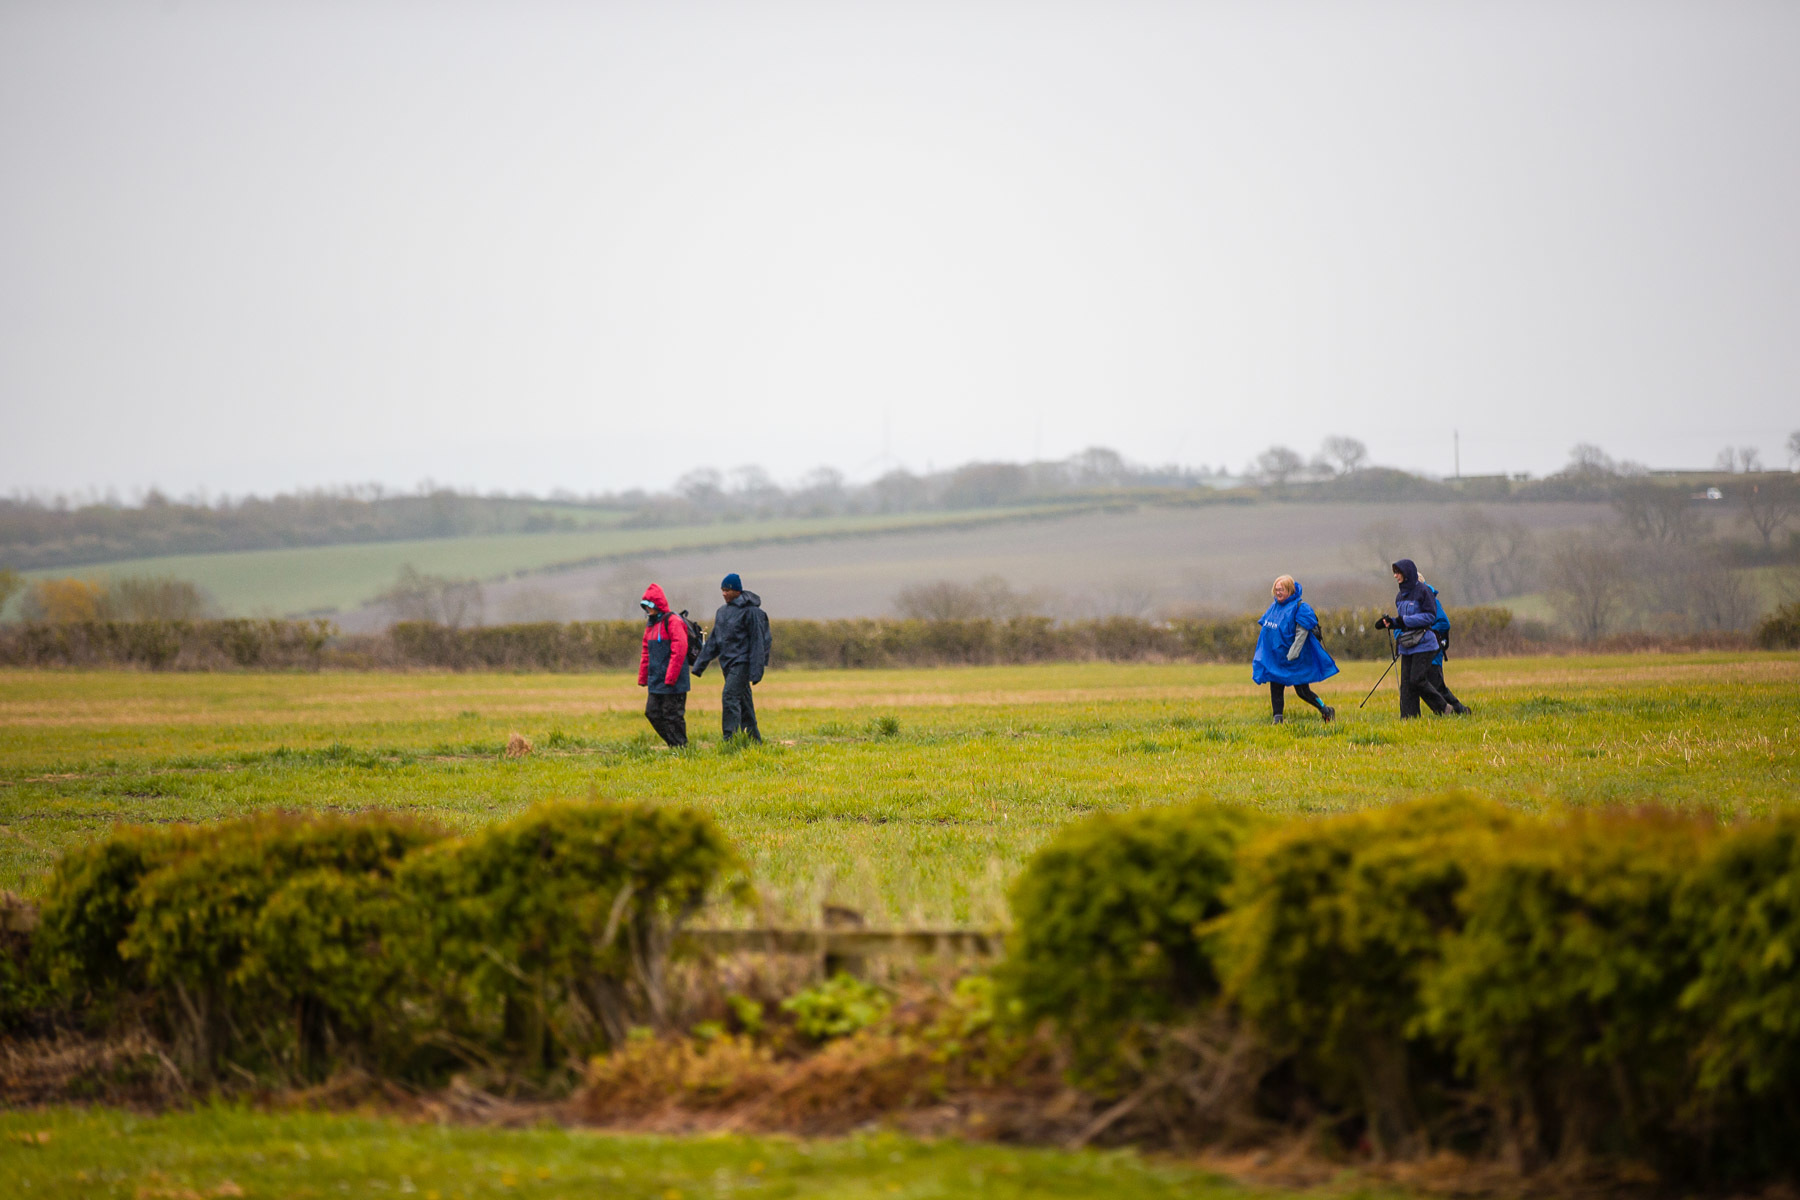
<point>614,645</point>
<point>168,645</point>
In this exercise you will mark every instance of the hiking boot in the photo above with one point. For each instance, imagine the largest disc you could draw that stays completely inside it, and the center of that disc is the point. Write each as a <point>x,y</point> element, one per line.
<point>1276,719</point>
<point>1463,710</point>
<point>1328,714</point>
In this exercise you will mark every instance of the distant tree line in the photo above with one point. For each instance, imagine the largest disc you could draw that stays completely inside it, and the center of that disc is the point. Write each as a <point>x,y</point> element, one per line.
<point>37,533</point>
<point>56,532</point>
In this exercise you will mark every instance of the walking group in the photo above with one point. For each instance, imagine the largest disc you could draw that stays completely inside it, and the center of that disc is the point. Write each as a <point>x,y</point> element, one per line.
<point>1290,653</point>
<point>676,651</point>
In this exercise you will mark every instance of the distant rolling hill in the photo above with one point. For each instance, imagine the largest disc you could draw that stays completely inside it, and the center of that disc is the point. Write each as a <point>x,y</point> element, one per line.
<point>330,579</point>
<point>1123,559</point>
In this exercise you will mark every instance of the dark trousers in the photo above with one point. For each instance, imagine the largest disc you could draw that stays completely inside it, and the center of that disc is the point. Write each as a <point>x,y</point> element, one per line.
<point>1436,675</point>
<point>1416,685</point>
<point>1302,690</point>
<point>667,712</point>
<point>737,705</point>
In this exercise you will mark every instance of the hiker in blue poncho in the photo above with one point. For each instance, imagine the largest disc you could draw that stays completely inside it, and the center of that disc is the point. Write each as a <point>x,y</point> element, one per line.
<point>1288,650</point>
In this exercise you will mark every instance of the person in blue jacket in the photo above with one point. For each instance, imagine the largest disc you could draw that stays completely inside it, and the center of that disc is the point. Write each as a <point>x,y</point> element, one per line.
<point>1414,613</point>
<point>1288,650</point>
<point>1441,627</point>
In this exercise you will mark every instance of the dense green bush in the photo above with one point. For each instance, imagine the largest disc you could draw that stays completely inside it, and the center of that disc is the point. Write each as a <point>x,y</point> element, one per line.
<point>1559,994</point>
<point>203,937</point>
<point>1333,926</point>
<point>1741,910</point>
<point>292,944</point>
<point>89,906</point>
<point>1110,927</point>
<point>552,931</point>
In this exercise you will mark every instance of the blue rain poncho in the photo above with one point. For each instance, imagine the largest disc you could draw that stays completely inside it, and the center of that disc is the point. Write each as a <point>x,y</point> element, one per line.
<point>1276,638</point>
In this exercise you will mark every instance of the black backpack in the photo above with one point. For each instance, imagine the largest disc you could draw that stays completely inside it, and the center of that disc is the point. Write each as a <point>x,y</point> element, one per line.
<point>696,635</point>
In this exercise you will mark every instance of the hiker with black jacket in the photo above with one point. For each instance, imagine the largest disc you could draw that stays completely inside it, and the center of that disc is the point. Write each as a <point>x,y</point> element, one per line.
<point>740,641</point>
<point>663,667</point>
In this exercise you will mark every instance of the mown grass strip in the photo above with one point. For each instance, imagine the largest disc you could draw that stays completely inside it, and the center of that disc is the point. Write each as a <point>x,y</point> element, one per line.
<point>227,1152</point>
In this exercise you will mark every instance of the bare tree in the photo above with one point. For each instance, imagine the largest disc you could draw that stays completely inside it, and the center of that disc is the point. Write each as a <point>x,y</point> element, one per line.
<point>1691,588</point>
<point>1278,464</point>
<point>415,596</point>
<point>1348,453</point>
<point>1588,583</point>
<point>1767,504</point>
<point>152,598</point>
<point>1097,466</point>
<point>1479,559</point>
<point>702,485</point>
<point>1664,515</point>
<point>949,600</point>
<point>1793,449</point>
<point>1589,461</point>
<point>1739,460</point>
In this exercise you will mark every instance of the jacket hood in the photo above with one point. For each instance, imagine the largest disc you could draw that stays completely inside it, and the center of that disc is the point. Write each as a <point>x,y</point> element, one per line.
<point>654,594</point>
<point>1409,572</point>
<point>746,600</point>
<point>1296,596</point>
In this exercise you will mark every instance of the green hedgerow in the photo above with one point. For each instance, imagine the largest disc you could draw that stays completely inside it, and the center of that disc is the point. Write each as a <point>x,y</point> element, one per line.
<point>1110,927</point>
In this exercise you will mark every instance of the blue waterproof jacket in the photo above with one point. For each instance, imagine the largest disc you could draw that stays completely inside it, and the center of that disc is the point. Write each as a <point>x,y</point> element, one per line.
<point>1415,607</point>
<point>1276,638</point>
<point>1441,627</point>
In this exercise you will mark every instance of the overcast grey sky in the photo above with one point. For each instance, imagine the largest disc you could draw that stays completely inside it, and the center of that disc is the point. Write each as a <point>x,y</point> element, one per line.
<point>250,246</point>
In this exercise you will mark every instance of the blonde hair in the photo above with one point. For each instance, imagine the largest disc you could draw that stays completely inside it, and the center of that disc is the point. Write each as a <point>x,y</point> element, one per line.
<point>1281,579</point>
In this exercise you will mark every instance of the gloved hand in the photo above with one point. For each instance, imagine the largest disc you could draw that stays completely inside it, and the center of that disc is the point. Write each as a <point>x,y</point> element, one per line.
<point>1299,644</point>
<point>699,670</point>
<point>1385,622</point>
<point>756,677</point>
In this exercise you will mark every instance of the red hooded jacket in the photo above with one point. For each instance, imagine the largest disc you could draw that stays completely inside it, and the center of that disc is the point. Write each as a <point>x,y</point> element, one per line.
<point>665,647</point>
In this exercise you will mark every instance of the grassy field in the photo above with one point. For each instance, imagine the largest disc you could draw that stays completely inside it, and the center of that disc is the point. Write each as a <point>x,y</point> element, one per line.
<point>222,1152</point>
<point>925,824</point>
<point>323,578</point>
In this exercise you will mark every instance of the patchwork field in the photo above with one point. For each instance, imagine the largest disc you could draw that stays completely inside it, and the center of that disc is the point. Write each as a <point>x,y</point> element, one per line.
<point>310,579</point>
<point>913,796</point>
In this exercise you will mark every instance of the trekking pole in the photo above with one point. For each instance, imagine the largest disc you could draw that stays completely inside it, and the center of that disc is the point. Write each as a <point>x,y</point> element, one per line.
<point>1384,674</point>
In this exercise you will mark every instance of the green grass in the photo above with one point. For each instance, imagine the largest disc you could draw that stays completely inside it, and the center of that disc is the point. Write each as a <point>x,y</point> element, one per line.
<point>229,1152</point>
<point>311,579</point>
<point>914,796</point>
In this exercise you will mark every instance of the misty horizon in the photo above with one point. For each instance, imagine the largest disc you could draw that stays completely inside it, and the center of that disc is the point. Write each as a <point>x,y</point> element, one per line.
<point>253,250</point>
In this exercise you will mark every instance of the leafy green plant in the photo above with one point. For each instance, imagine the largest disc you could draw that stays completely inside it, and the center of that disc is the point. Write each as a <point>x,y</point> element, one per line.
<point>1741,909</point>
<point>1110,926</point>
<point>554,929</point>
<point>836,1007</point>
<point>1332,926</point>
<point>226,951</point>
<point>1559,993</point>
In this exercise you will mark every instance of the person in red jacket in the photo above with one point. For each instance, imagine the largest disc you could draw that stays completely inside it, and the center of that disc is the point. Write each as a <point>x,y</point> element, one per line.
<point>663,667</point>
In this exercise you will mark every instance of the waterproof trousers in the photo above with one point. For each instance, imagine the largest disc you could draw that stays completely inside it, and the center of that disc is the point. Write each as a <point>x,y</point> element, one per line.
<point>738,707</point>
<point>1302,690</point>
<point>668,716</point>
<point>1436,675</point>
<point>1416,685</point>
